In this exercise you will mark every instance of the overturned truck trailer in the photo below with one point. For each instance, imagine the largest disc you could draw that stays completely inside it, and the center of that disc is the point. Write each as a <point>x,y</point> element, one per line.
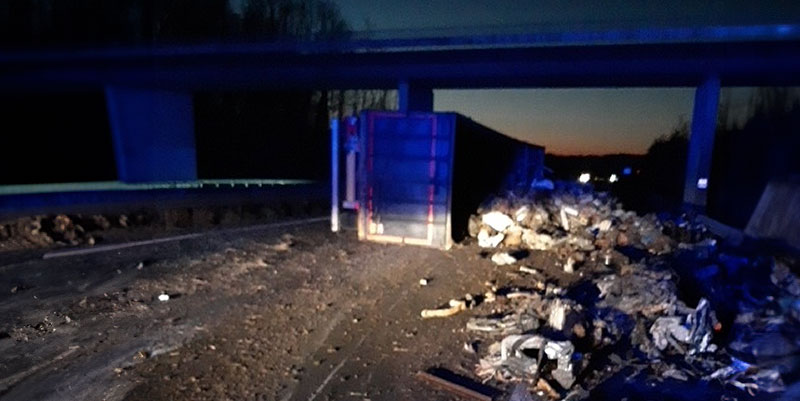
<point>422,174</point>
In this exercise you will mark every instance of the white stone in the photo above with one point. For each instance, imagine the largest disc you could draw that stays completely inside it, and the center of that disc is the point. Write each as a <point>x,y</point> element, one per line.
<point>521,213</point>
<point>564,220</point>
<point>569,267</point>
<point>489,241</point>
<point>503,258</point>
<point>541,242</point>
<point>558,314</point>
<point>498,221</point>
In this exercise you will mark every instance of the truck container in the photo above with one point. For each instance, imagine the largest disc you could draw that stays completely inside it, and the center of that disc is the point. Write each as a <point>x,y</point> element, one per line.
<point>422,174</point>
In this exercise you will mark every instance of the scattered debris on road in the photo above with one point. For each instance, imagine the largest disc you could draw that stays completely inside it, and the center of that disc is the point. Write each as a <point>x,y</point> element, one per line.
<point>455,306</point>
<point>629,294</point>
<point>453,387</point>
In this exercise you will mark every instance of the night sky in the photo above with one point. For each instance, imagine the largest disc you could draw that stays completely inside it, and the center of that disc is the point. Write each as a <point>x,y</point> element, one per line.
<point>575,121</point>
<point>496,15</point>
<point>566,121</point>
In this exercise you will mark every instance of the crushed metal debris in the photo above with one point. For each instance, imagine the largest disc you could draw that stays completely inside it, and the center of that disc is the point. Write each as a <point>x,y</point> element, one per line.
<point>658,299</point>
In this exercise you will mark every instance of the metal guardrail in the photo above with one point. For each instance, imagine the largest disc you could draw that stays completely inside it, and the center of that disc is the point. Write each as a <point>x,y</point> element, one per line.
<point>425,40</point>
<point>145,186</point>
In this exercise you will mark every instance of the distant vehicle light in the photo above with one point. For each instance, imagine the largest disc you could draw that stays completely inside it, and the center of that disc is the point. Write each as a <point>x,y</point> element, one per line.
<point>702,183</point>
<point>613,178</point>
<point>627,171</point>
<point>584,178</point>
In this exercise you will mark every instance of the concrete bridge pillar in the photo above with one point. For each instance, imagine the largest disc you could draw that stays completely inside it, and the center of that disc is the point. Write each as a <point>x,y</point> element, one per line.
<point>153,134</point>
<point>701,144</point>
<point>414,98</point>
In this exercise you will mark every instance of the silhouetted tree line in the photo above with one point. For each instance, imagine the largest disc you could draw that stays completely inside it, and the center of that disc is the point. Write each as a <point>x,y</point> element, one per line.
<point>59,137</point>
<point>746,157</point>
<point>601,167</point>
<point>27,23</point>
<point>658,184</point>
<point>239,134</point>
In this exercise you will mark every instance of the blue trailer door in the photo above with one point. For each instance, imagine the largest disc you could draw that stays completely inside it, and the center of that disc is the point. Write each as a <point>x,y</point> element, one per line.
<point>406,176</point>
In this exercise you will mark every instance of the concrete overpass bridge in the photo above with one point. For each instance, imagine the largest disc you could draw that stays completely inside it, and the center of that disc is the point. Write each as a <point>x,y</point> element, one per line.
<point>149,90</point>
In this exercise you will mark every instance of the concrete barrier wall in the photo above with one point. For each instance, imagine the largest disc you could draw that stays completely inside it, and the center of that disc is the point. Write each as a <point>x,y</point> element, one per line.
<point>777,215</point>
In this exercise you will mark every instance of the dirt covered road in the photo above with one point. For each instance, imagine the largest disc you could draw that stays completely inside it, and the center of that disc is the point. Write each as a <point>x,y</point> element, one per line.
<point>293,312</point>
<point>287,313</point>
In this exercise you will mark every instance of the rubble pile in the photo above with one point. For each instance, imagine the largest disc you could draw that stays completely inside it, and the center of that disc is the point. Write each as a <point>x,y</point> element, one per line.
<point>575,224</point>
<point>643,298</point>
<point>46,230</point>
<point>41,231</point>
<point>62,229</point>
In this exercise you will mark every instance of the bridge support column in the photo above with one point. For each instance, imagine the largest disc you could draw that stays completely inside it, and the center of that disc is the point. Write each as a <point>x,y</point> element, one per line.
<point>701,144</point>
<point>414,98</point>
<point>153,134</point>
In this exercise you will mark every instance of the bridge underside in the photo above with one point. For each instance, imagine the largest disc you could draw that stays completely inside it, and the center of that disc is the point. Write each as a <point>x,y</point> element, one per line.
<point>645,65</point>
<point>141,83</point>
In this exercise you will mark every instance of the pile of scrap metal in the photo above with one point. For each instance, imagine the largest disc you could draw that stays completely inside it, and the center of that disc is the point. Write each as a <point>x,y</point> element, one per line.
<point>569,223</point>
<point>623,310</point>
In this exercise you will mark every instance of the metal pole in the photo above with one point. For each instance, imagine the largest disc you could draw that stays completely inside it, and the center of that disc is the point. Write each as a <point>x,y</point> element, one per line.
<point>335,175</point>
<point>701,144</point>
